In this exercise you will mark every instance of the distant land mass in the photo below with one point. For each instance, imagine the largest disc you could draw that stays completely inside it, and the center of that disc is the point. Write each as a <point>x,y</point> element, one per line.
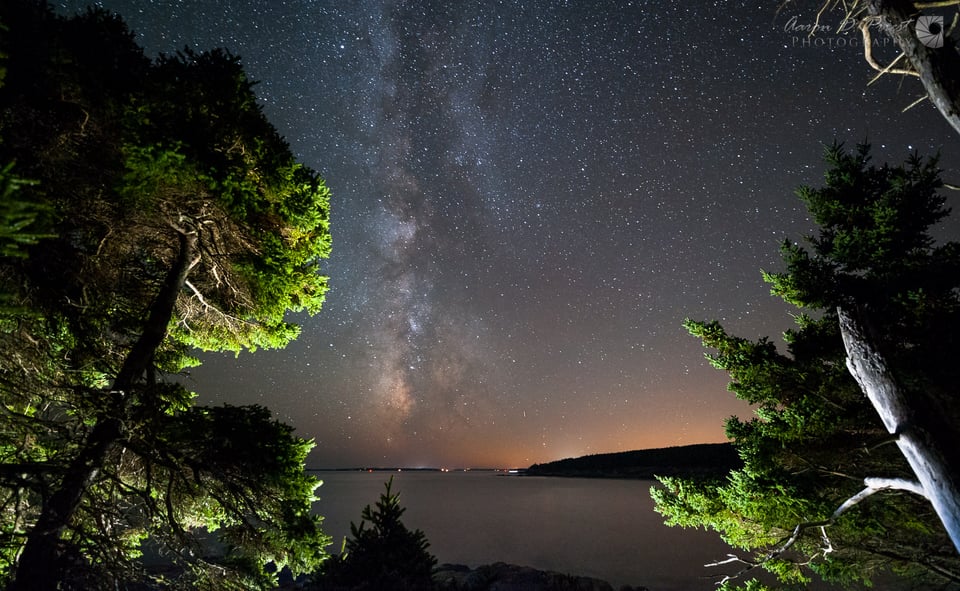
<point>703,459</point>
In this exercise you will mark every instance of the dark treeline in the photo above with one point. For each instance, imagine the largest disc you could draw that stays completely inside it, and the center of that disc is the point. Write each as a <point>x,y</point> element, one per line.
<point>701,460</point>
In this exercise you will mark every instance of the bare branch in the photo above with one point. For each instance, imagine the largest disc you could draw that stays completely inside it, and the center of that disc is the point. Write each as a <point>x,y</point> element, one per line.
<point>872,486</point>
<point>103,241</point>
<point>868,54</point>
<point>206,305</point>
<point>730,558</point>
<point>896,484</point>
<point>938,4</point>
<point>914,103</point>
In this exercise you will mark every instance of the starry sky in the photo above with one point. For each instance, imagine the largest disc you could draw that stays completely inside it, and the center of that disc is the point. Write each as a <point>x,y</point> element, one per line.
<point>529,198</point>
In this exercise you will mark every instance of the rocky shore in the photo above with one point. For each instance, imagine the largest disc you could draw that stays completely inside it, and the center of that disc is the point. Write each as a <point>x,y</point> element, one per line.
<point>509,577</point>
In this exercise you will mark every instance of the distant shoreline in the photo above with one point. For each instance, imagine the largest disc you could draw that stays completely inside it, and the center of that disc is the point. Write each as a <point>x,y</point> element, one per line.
<point>703,459</point>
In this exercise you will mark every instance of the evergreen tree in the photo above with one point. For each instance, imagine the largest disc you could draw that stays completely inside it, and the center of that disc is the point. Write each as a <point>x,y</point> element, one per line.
<point>18,218</point>
<point>175,218</point>
<point>386,556</point>
<point>815,437</point>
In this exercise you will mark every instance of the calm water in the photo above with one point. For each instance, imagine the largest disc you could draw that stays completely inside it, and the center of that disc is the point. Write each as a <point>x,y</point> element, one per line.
<point>599,528</point>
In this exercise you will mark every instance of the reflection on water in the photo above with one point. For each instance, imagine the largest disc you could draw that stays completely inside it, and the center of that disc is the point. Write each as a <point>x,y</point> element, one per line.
<point>599,528</point>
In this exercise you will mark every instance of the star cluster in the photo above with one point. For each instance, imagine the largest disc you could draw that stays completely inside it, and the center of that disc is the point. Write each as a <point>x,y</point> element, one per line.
<point>530,197</point>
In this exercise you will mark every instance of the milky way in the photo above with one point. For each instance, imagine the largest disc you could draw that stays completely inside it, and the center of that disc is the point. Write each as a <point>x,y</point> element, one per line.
<point>529,198</point>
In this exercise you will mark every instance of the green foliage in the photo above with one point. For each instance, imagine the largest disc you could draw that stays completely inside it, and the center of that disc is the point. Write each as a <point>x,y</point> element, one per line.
<point>19,221</point>
<point>245,482</point>
<point>750,585</point>
<point>18,218</point>
<point>199,132</point>
<point>814,436</point>
<point>384,556</point>
<point>874,232</point>
<point>140,170</point>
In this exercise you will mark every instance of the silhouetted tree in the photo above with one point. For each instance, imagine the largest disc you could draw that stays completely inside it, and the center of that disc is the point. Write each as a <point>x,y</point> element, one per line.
<point>384,556</point>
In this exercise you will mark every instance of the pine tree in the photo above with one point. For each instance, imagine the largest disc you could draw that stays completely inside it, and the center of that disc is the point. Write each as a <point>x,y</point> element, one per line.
<point>815,437</point>
<point>175,218</point>
<point>382,554</point>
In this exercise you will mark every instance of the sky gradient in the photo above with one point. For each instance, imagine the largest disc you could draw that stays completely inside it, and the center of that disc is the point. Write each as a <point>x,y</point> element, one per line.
<point>529,198</point>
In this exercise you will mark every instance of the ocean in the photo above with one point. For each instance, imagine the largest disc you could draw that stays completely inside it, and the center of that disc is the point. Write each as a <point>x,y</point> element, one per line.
<point>599,528</point>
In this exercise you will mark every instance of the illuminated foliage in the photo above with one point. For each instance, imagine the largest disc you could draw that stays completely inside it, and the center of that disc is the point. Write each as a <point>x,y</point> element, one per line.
<point>814,436</point>
<point>165,214</point>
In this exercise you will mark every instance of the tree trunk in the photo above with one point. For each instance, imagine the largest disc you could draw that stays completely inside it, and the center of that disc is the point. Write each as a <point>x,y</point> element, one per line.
<point>915,437</point>
<point>939,67</point>
<point>38,568</point>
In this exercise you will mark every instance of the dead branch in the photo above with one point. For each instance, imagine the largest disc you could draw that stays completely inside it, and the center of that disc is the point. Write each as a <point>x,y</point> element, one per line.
<point>208,307</point>
<point>103,241</point>
<point>868,54</point>
<point>940,4</point>
<point>914,103</point>
<point>939,68</point>
<point>872,486</point>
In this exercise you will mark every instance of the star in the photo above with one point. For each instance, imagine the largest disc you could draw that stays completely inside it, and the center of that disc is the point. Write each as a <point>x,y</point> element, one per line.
<point>528,201</point>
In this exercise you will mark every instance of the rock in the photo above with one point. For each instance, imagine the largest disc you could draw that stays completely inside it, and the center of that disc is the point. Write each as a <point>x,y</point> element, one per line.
<point>509,577</point>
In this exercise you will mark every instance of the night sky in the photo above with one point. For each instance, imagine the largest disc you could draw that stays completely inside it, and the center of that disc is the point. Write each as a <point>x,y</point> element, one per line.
<point>529,198</point>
